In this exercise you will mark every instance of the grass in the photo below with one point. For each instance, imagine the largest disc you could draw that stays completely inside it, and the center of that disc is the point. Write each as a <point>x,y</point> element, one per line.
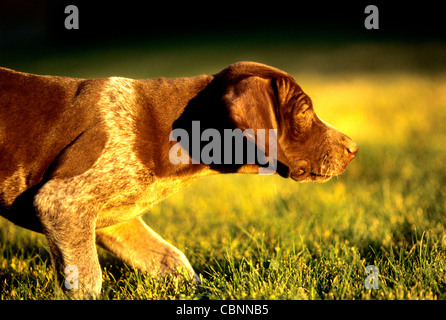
<point>264,237</point>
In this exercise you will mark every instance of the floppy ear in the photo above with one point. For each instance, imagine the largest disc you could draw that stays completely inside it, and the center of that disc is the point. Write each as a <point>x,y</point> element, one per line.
<point>253,102</point>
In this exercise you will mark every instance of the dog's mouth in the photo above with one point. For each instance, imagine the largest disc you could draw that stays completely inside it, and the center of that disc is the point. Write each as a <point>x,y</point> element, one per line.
<point>314,174</point>
<point>320,177</point>
<point>301,175</point>
<point>323,171</point>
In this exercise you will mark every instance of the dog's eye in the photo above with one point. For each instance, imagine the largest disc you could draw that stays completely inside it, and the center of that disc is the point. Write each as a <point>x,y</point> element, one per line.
<point>302,118</point>
<point>305,111</point>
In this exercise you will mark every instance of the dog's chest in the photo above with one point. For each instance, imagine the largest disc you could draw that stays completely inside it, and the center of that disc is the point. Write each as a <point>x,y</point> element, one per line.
<point>125,206</point>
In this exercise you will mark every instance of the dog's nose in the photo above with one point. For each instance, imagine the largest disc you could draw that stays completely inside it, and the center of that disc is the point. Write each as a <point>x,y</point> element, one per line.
<point>351,149</point>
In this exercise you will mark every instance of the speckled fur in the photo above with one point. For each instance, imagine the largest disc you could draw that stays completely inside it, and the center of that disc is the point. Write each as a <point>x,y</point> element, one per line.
<point>118,188</point>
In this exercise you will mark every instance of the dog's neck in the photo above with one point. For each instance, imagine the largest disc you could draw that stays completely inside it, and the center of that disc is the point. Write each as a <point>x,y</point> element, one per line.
<point>156,121</point>
<point>188,99</point>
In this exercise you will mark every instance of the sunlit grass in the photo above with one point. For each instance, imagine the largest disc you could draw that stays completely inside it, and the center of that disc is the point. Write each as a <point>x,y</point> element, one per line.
<point>264,237</point>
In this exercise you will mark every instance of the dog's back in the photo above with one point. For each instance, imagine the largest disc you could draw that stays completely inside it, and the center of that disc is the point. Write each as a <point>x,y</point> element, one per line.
<point>38,121</point>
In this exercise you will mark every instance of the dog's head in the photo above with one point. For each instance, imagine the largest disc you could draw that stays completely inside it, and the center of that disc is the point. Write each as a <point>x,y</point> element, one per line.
<point>262,97</point>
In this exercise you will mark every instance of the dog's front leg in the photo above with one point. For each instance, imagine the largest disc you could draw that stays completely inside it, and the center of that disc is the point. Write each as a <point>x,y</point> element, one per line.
<point>69,226</point>
<point>140,247</point>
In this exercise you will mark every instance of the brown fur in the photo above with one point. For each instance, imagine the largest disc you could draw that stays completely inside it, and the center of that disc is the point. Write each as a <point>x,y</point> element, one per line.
<point>82,160</point>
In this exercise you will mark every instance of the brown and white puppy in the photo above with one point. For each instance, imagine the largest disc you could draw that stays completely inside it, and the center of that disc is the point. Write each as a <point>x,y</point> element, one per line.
<point>82,160</point>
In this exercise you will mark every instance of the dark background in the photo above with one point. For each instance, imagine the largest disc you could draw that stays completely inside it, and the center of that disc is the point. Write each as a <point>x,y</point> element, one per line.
<point>26,23</point>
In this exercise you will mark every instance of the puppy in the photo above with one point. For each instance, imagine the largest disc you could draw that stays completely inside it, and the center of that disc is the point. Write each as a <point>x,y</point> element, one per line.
<point>82,160</point>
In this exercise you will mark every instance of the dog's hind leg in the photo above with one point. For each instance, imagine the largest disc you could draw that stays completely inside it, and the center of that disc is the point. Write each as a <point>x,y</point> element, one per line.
<point>69,226</point>
<point>140,247</point>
